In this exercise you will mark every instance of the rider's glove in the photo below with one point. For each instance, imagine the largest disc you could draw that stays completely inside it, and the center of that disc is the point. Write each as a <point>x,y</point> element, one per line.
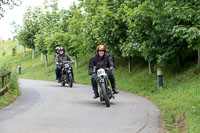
<point>111,68</point>
<point>90,73</point>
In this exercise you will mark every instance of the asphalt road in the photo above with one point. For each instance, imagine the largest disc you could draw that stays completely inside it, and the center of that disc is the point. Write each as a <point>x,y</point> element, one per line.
<point>46,107</point>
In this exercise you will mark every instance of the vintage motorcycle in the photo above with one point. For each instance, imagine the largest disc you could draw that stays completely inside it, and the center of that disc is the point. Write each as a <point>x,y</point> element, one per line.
<point>104,89</point>
<point>66,74</point>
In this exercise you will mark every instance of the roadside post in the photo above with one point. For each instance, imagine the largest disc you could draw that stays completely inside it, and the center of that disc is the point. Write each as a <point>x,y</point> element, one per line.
<point>19,67</point>
<point>160,77</point>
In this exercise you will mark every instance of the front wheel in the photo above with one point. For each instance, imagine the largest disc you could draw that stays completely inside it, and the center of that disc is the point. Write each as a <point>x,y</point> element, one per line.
<point>70,82</point>
<point>63,83</point>
<point>106,98</point>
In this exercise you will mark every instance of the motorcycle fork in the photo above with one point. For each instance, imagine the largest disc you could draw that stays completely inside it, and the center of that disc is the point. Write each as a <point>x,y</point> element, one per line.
<point>109,89</point>
<point>99,84</point>
<point>62,74</point>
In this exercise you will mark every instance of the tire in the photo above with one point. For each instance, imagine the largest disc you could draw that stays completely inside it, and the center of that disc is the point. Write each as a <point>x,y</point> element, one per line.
<point>70,83</point>
<point>63,83</point>
<point>106,98</point>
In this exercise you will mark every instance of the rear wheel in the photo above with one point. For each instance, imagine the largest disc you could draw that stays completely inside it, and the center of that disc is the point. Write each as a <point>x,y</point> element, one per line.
<point>106,98</point>
<point>70,83</point>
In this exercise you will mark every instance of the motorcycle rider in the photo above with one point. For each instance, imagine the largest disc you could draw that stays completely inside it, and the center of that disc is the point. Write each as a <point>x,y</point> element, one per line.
<point>57,52</point>
<point>102,60</point>
<point>60,58</point>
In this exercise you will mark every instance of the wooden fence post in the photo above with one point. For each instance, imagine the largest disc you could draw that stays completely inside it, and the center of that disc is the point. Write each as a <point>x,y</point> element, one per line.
<point>4,84</point>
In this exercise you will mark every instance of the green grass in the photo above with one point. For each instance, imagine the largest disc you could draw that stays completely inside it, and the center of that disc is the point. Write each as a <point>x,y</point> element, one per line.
<point>178,100</point>
<point>13,90</point>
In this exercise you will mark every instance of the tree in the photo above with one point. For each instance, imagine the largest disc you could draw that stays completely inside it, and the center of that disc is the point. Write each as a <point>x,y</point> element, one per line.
<point>50,18</point>
<point>22,38</point>
<point>31,27</point>
<point>9,3</point>
<point>16,29</point>
<point>104,24</point>
<point>75,21</point>
<point>187,28</point>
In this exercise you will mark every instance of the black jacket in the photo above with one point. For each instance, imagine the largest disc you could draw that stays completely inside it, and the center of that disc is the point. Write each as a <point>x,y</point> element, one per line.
<point>105,62</point>
<point>55,56</point>
<point>64,57</point>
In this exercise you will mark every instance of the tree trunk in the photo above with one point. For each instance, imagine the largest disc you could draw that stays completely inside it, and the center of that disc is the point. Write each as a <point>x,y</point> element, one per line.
<point>198,62</point>
<point>24,51</point>
<point>33,53</point>
<point>129,64</point>
<point>41,57</point>
<point>46,60</point>
<point>150,67</point>
<point>76,62</point>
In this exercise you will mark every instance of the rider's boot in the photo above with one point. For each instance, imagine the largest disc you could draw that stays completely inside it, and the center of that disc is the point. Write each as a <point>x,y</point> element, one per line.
<point>59,80</point>
<point>115,91</point>
<point>96,95</point>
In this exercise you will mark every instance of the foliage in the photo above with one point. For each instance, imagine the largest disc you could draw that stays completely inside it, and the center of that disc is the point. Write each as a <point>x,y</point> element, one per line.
<point>13,91</point>
<point>75,44</point>
<point>10,3</point>
<point>57,39</point>
<point>30,28</point>
<point>154,28</point>
<point>103,25</point>
<point>16,29</point>
<point>14,51</point>
<point>4,53</point>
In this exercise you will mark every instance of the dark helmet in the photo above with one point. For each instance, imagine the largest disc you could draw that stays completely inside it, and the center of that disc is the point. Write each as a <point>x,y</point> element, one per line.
<point>57,48</point>
<point>101,48</point>
<point>62,49</point>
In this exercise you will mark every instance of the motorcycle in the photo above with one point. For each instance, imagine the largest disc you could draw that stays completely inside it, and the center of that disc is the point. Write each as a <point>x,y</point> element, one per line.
<point>104,89</point>
<point>66,74</point>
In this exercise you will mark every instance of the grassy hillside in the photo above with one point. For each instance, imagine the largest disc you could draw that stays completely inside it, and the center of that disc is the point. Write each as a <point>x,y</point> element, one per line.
<point>178,100</point>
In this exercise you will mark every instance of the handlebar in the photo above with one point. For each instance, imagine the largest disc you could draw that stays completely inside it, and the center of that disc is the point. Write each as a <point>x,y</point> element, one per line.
<point>64,62</point>
<point>107,69</point>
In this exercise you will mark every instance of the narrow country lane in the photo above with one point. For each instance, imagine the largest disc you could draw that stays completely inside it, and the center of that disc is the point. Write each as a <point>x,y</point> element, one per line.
<point>46,107</point>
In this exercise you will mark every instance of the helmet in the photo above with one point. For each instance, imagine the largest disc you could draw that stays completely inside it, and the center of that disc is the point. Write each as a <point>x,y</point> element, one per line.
<point>62,49</point>
<point>101,47</point>
<point>57,48</point>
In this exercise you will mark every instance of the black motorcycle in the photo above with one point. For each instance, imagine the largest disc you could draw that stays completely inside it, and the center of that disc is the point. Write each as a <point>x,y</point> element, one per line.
<point>66,74</point>
<point>104,89</point>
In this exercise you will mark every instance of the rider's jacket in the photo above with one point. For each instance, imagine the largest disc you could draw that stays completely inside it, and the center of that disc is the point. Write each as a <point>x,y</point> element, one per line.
<point>105,62</point>
<point>55,56</point>
<point>62,57</point>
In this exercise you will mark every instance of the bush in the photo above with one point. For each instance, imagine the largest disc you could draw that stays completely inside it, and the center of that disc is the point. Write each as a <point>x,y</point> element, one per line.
<point>13,77</point>
<point>14,51</point>
<point>4,53</point>
<point>13,91</point>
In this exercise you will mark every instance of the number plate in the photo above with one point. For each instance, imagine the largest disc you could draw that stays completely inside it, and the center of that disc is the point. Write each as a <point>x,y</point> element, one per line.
<point>66,65</point>
<point>101,72</point>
